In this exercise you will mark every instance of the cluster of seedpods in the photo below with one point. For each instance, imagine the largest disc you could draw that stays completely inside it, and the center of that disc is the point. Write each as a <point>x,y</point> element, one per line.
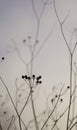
<point>33,78</point>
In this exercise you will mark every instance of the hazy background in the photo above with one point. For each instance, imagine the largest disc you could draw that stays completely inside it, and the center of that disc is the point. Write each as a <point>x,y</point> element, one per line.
<point>17,22</point>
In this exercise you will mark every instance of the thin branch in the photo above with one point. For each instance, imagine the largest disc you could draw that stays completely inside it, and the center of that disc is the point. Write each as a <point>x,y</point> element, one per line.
<point>62,115</point>
<point>65,18</point>
<point>25,104</point>
<point>42,10</point>
<point>61,26</point>
<point>1,126</point>
<point>12,102</point>
<point>33,6</point>
<point>9,94</point>
<point>74,48</point>
<point>43,44</point>
<point>52,110</point>
<point>47,2</point>
<point>10,123</point>
<point>33,109</point>
<point>55,124</point>
<point>72,122</point>
<point>72,126</point>
<point>13,41</point>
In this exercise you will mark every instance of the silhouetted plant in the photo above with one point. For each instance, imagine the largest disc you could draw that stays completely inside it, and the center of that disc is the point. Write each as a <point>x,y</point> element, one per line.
<point>25,92</point>
<point>71,53</point>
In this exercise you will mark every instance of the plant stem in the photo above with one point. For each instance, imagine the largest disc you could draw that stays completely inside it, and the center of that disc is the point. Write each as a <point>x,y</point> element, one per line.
<point>70,100</point>
<point>34,114</point>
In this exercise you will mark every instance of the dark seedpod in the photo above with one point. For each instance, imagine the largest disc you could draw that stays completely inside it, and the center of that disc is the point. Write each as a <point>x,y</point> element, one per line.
<point>68,87</point>
<point>37,82</point>
<point>56,96</point>
<point>52,100</point>
<point>3,58</point>
<point>40,82</point>
<point>26,77</point>
<point>61,100</point>
<point>23,76</point>
<point>33,77</point>
<point>39,77</point>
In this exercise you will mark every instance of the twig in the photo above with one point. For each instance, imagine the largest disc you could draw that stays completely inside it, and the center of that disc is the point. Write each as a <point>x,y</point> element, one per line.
<point>11,101</point>
<point>10,123</point>
<point>72,126</point>
<point>52,110</point>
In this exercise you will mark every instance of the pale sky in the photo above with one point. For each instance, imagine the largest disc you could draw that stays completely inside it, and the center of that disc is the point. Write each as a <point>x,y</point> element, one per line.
<point>17,22</point>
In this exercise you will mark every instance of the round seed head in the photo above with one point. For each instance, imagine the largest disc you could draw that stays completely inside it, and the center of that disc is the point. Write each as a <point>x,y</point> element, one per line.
<point>61,100</point>
<point>26,77</point>
<point>56,96</point>
<point>23,76</point>
<point>68,87</point>
<point>40,82</point>
<point>33,76</point>
<point>3,58</point>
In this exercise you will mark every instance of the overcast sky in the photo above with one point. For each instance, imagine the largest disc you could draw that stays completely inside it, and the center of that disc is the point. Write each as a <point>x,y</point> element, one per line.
<point>18,21</point>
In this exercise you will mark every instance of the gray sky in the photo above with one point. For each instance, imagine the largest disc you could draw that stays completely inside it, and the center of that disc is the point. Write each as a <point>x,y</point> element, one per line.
<point>17,22</point>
